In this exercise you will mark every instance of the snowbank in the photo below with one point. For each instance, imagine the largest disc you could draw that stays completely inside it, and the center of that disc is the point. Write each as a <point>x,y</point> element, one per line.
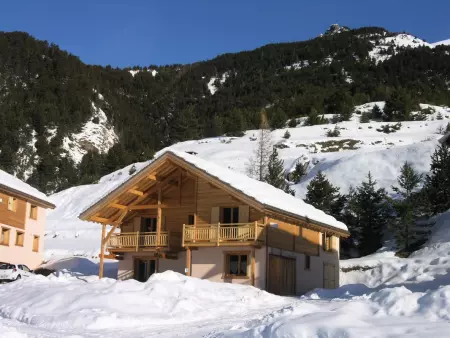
<point>92,304</point>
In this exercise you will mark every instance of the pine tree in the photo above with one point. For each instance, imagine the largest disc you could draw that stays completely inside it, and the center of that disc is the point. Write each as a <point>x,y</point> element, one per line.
<point>275,173</point>
<point>257,167</point>
<point>437,182</point>
<point>298,173</point>
<point>371,216</point>
<point>324,196</point>
<point>407,206</point>
<point>377,112</point>
<point>287,134</point>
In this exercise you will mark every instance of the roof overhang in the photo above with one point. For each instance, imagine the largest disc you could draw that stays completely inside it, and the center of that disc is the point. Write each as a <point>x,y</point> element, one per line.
<point>169,156</point>
<point>19,194</point>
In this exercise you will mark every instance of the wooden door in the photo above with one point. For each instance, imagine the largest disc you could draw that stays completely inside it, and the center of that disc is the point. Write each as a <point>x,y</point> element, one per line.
<point>329,276</point>
<point>282,275</point>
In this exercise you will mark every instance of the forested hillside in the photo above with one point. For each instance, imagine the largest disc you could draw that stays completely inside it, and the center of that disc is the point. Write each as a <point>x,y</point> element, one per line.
<point>63,122</point>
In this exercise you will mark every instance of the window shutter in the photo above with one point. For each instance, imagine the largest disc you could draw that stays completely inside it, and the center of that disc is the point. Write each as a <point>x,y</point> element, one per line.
<point>215,215</point>
<point>244,212</point>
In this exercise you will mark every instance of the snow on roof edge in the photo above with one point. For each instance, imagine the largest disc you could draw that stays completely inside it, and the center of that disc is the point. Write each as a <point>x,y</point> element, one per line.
<point>281,202</point>
<point>12,184</point>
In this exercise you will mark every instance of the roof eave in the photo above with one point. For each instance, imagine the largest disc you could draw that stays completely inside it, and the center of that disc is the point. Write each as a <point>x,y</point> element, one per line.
<point>28,197</point>
<point>341,232</point>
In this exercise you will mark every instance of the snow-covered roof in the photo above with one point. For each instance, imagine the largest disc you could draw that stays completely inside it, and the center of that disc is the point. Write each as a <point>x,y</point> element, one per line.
<point>13,184</point>
<point>263,193</point>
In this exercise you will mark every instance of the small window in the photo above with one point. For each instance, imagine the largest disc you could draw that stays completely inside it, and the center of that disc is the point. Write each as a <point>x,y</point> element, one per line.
<point>236,265</point>
<point>4,238</point>
<point>190,219</point>
<point>307,262</point>
<point>35,243</point>
<point>230,215</point>
<point>12,203</point>
<point>26,268</point>
<point>326,242</point>
<point>19,238</point>
<point>33,212</point>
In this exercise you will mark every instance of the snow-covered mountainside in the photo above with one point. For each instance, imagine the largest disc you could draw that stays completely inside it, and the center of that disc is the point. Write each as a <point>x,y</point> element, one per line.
<point>96,133</point>
<point>345,160</point>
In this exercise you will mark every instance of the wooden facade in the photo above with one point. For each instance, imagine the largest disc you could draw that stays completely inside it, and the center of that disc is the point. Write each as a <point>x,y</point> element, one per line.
<point>171,207</point>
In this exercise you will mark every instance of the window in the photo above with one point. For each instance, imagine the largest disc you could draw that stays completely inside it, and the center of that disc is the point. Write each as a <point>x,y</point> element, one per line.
<point>190,220</point>
<point>33,212</point>
<point>307,262</point>
<point>19,238</point>
<point>236,265</point>
<point>12,203</point>
<point>326,242</point>
<point>230,215</point>
<point>35,243</point>
<point>25,268</point>
<point>4,237</point>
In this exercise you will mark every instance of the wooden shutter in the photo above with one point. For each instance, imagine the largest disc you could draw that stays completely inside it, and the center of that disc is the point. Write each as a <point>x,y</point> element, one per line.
<point>215,215</point>
<point>244,212</point>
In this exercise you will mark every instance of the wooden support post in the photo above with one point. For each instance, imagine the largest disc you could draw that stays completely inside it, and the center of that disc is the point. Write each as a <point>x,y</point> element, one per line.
<point>180,178</point>
<point>137,241</point>
<point>218,235</point>
<point>253,267</point>
<point>188,261</point>
<point>157,264</point>
<point>182,235</point>
<point>102,252</point>
<point>256,230</point>
<point>159,218</point>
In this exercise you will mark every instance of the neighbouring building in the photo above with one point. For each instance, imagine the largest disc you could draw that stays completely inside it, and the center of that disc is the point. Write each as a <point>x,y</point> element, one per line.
<point>185,214</point>
<point>22,221</point>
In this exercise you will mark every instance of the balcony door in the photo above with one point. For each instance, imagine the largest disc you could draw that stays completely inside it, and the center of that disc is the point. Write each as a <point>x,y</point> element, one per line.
<point>148,224</point>
<point>229,215</point>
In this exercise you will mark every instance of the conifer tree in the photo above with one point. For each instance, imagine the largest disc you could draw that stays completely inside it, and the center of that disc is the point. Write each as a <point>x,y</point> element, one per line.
<point>376,112</point>
<point>257,167</point>
<point>275,173</point>
<point>298,173</point>
<point>287,134</point>
<point>324,196</point>
<point>437,182</point>
<point>371,216</point>
<point>407,207</point>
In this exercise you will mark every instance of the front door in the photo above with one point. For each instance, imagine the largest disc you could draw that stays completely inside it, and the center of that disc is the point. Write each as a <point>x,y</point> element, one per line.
<point>144,269</point>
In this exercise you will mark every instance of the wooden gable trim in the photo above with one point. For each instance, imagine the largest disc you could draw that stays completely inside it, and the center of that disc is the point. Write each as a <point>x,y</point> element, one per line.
<point>237,194</point>
<point>127,185</point>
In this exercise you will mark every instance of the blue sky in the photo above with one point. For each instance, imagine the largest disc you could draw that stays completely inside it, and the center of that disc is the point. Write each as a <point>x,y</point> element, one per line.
<point>125,33</point>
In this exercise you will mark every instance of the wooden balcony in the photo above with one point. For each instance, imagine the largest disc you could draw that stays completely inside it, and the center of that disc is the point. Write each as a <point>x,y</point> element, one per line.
<point>137,241</point>
<point>223,234</point>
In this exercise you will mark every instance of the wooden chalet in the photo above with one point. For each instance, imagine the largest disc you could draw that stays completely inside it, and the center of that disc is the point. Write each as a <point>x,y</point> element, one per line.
<point>186,214</point>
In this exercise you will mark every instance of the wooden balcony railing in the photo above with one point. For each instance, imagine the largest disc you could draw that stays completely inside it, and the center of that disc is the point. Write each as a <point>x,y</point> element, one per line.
<point>137,240</point>
<point>217,234</point>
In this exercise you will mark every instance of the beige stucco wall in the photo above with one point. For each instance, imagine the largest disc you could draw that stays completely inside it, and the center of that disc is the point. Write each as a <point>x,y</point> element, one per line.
<point>24,254</point>
<point>208,263</point>
<point>306,280</point>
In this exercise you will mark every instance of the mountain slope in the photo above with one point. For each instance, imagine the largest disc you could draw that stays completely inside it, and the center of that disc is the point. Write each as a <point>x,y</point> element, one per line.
<point>53,132</point>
